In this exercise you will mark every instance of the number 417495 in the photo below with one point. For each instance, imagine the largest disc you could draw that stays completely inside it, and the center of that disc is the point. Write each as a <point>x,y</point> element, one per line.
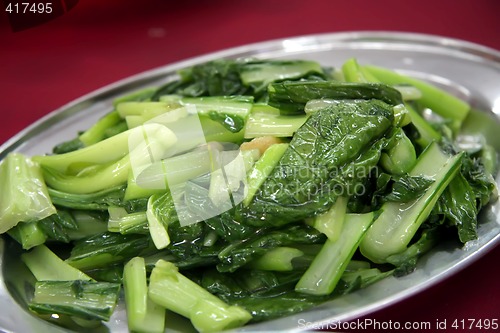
<point>27,8</point>
<point>475,324</point>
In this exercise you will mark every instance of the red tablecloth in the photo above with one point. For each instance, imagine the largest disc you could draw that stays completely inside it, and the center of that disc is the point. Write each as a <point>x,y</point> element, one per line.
<point>99,42</point>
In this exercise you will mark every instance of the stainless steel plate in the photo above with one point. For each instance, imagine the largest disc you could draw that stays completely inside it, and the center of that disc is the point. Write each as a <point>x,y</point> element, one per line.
<point>467,70</point>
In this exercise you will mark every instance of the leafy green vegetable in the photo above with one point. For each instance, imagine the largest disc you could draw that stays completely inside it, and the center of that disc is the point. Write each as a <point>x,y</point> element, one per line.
<point>143,315</point>
<point>268,295</point>
<point>470,190</point>
<point>107,248</point>
<point>331,222</point>
<point>279,305</point>
<point>157,229</point>
<point>278,259</point>
<point>271,124</point>
<point>237,77</point>
<point>47,266</point>
<point>56,226</point>
<point>66,147</point>
<point>107,163</point>
<point>104,152</point>
<point>101,200</point>
<point>400,157</point>
<point>28,234</point>
<point>262,73</point>
<point>175,292</point>
<point>100,130</point>
<point>291,97</point>
<point>215,78</point>
<point>262,169</point>
<point>458,205</point>
<point>436,99</point>
<point>481,181</point>
<point>238,254</point>
<point>24,193</point>
<point>398,222</point>
<point>326,270</point>
<point>138,95</point>
<point>364,277</point>
<point>127,223</point>
<point>88,223</point>
<point>100,178</point>
<point>230,226</point>
<point>230,111</point>
<point>406,261</point>
<point>323,161</point>
<point>407,188</point>
<point>113,273</point>
<point>84,299</point>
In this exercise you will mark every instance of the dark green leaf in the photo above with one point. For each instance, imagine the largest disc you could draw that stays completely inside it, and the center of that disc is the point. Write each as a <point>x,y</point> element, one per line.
<point>332,154</point>
<point>458,205</point>
<point>112,273</point>
<point>68,146</point>
<point>290,97</point>
<point>215,78</point>
<point>56,226</point>
<point>481,182</point>
<point>238,254</point>
<point>108,248</point>
<point>230,122</point>
<point>408,188</point>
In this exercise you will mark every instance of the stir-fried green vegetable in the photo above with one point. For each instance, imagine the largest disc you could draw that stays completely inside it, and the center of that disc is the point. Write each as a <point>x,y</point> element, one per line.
<point>86,299</point>
<point>245,190</point>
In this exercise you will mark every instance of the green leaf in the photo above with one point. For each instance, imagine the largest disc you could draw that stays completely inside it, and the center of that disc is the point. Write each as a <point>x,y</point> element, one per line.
<point>237,254</point>
<point>407,188</point>
<point>458,205</point>
<point>108,248</point>
<point>56,226</point>
<point>291,97</point>
<point>331,155</point>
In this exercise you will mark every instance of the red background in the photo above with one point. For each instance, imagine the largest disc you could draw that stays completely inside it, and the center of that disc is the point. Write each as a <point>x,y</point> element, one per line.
<point>99,42</point>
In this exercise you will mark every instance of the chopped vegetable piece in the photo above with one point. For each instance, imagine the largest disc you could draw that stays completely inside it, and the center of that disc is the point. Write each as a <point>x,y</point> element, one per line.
<point>24,193</point>
<point>177,293</point>
<point>327,268</point>
<point>436,99</point>
<point>143,315</point>
<point>88,300</point>
<point>291,97</point>
<point>47,266</point>
<point>398,222</point>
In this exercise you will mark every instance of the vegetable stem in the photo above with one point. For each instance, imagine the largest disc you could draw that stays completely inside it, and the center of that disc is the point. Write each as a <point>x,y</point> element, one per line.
<point>143,315</point>
<point>438,100</point>
<point>24,193</point>
<point>177,293</point>
<point>47,266</point>
<point>398,221</point>
<point>328,266</point>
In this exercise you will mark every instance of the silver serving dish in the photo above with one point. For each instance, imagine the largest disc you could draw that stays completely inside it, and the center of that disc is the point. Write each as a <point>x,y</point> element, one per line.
<point>467,70</point>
